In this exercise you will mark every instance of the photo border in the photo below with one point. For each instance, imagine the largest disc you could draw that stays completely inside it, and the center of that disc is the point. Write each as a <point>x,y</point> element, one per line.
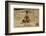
<point>6,17</point>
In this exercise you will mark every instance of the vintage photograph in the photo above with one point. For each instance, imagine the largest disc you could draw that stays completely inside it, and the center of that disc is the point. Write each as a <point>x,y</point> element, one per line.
<point>25,17</point>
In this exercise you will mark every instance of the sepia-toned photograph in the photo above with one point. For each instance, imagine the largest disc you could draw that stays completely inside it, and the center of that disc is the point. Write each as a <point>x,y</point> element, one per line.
<point>25,17</point>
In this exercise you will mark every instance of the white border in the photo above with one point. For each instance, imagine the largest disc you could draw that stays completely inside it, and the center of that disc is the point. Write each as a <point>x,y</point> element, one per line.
<point>25,29</point>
